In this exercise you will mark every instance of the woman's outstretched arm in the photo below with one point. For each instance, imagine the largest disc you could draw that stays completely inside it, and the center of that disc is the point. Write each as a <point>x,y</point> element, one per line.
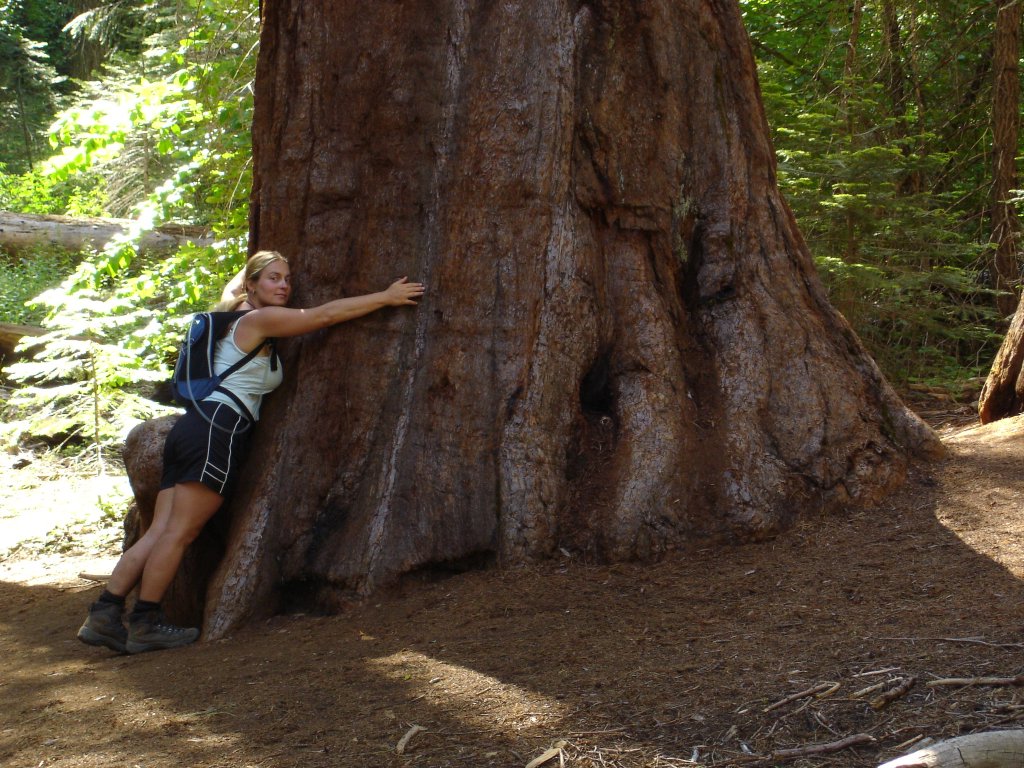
<point>278,322</point>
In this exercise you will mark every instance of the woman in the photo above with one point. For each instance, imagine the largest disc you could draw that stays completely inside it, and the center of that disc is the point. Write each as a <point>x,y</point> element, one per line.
<point>204,451</point>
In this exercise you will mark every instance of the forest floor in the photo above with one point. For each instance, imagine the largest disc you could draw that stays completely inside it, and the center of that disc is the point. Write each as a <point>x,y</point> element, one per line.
<point>844,626</point>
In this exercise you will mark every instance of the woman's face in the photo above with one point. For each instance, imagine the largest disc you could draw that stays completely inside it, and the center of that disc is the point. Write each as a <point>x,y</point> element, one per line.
<point>272,287</point>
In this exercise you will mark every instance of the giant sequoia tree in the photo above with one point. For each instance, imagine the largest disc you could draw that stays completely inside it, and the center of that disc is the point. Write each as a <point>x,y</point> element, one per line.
<point>624,346</point>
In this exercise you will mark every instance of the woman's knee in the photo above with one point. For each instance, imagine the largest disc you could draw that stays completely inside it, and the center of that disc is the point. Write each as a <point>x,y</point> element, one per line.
<point>182,534</point>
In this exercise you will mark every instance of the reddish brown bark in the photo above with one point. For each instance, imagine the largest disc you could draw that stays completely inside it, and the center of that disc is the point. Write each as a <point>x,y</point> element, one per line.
<point>624,347</point>
<point>1003,394</point>
<point>1006,229</point>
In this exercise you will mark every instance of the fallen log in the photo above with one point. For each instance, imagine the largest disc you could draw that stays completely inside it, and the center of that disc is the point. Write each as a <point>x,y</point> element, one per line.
<point>993,749</point>
<point>22,230</point>
<point>10,335</point>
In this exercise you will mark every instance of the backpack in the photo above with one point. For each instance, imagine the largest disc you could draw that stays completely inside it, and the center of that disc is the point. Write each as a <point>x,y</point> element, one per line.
<point>194,379</point>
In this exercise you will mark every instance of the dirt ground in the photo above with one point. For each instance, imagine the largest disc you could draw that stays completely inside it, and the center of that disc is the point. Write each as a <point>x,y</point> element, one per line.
<point>845,626</point>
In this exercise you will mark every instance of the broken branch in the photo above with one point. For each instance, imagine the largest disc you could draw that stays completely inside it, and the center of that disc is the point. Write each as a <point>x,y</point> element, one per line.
<point>892,695</point>
<point>822,749</point>
<point>966,681</point>
<point>404,741</point>
<point>555,751</point>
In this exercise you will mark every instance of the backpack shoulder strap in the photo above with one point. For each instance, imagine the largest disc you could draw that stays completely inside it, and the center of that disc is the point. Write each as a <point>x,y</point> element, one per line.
<point>242,361</point>
<point>274,358</point>
<point>221,321</point>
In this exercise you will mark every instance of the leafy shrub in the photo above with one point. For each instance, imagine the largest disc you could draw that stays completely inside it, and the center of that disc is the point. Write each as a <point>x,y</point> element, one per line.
<point>43,193</point>
<point>166,137</point>
<point>25,276</point>
<point>82,384</point>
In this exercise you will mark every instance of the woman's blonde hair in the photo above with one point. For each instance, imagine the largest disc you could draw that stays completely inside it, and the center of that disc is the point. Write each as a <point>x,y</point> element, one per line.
<point>253,267</point>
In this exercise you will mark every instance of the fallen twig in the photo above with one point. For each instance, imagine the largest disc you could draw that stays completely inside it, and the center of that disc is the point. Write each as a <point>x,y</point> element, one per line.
<point>870,689</point>
<point>820,688</point>
<point>892,695</point>
<point>972,640</point>
<point>965,681</point>
<point>872,672</point>
<point>404,741</point>
<point>785,755</point>
<point>822,749</point>
<point>912,741</point>
<point>555,751</point>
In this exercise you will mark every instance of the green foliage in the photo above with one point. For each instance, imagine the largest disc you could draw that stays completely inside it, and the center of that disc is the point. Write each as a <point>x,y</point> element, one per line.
<point>25,276</point>
<point>120,25</point>
<point>36,192</point>
<point>175,134</point>
<point>169,143</point>
<point>42,20</point>
<point>27,80</point>
<point>77,386</point>
<point>888,190</point>
<point>920,325</point>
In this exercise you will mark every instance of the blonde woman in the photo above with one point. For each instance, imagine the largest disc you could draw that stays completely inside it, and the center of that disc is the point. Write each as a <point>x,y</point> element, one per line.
<point>205,450</point>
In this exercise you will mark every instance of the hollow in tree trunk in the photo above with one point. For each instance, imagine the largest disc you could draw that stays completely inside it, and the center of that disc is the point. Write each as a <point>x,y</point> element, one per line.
<point>624,346</point>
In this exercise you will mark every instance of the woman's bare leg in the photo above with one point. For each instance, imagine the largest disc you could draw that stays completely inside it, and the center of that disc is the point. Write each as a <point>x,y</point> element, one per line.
<point>128,570</point>
<point>191,506</point>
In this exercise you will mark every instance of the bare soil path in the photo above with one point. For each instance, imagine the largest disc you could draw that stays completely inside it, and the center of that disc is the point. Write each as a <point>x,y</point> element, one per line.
<point>836,629</point>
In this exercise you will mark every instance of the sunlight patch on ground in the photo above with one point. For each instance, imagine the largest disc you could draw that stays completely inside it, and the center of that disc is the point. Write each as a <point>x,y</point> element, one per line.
<point>986,476</point>
<point>59,519</point>
<point>33,512</point>
<point>477,698</point>
<point>56,570</point>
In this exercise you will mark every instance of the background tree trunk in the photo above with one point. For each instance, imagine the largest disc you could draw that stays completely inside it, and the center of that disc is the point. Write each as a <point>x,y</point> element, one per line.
<point>1003,393</point>
<point>1006,228</point>
<point>856,10</point>
<point>624,347</point>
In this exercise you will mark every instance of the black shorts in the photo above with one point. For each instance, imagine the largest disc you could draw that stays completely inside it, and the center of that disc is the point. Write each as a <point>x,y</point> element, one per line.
<point>207,445</point>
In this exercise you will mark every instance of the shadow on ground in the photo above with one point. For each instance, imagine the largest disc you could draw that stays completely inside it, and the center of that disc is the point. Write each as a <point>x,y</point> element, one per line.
<point>677,663</point>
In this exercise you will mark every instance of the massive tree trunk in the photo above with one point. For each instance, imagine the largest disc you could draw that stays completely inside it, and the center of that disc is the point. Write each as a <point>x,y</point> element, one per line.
<point>624,346</point>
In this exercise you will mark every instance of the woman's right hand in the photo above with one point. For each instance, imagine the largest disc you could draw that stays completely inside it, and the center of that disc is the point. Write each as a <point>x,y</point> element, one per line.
<point>402,292</point>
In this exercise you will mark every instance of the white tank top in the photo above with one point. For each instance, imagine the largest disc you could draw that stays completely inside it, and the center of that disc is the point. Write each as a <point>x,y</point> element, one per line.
<point>250,382</point>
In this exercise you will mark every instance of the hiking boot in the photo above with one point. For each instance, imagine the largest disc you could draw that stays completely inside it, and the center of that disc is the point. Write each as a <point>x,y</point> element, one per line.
<point>104,627</point>
<point>152,632</point>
